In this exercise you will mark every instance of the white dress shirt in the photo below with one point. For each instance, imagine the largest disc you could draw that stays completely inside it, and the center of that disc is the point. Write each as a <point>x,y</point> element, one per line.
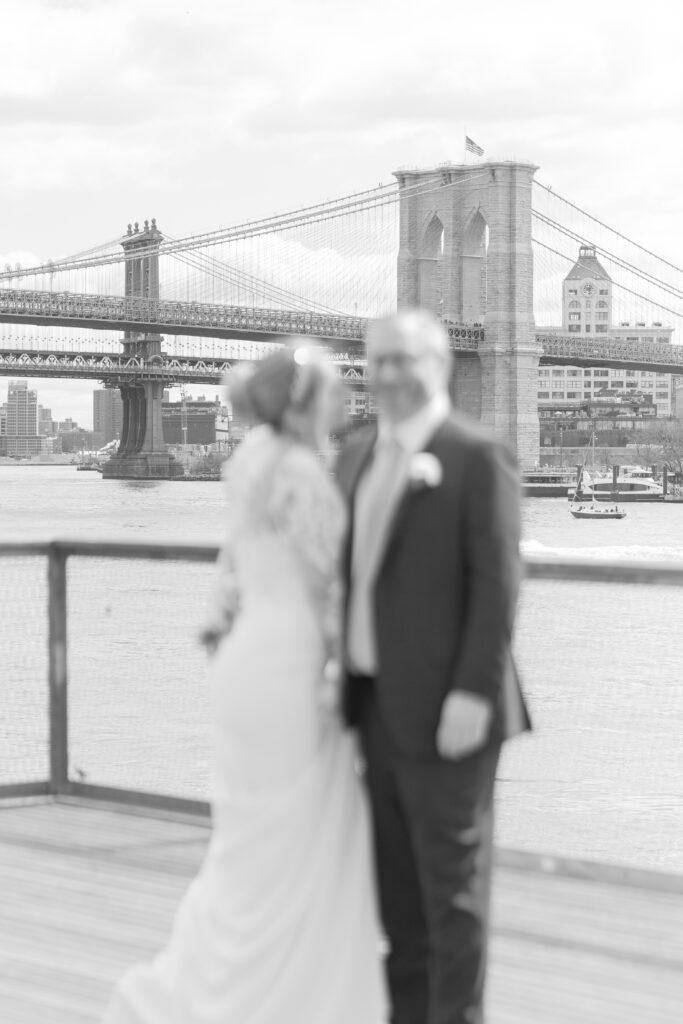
<point>377,497</point>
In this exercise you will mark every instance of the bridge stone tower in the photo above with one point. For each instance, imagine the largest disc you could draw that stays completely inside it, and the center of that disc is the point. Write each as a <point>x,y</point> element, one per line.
<point>465,253</point>
<point>142,453</point>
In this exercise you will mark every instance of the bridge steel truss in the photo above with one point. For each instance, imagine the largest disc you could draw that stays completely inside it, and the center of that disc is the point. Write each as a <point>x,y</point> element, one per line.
<point>568,350</point>
<point>118,370</point>
<point>168,369</point>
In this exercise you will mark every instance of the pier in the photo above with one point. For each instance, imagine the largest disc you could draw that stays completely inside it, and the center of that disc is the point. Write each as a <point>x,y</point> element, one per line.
<point>94,870</point>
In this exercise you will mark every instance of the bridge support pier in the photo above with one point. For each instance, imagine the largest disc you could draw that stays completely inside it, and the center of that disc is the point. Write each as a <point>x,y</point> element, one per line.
<point>142,453</point>
<point>465,253</point>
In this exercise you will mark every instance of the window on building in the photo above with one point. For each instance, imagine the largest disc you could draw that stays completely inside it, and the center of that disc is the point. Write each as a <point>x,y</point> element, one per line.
<point>601,373</point>
<point>602,316</point>
<point>617,384</point>
<point>601,328</point>
<point>558,394</point>
<point>601,304</point>
<point>572,291</point>
<point>574,304</point>
<point>544,394</point>
<point>648,338</point>
<point>604,291</point>
<point>543,373</point>
<point>663,337</point>
<point>630,337</point>
<point>588,304</point>
<point>573,373</point>
<point>631,384</point>
<point>661,394</point>
<point>574,317</point>
<point>587,394</point>
<point>587,373</point>
<point>574,328</point>
<point>558,373</point>
<point>573,394</point>
<point>588,327</point>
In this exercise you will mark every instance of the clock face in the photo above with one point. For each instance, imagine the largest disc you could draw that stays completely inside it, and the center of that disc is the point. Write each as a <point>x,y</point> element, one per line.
<point>588,288</point>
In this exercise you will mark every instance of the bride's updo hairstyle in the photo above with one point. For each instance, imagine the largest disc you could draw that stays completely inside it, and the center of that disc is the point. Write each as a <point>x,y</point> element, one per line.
<point>285,381</point>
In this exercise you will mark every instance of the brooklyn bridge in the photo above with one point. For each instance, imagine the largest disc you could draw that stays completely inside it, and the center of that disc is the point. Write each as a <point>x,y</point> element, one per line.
<point>482,246</point>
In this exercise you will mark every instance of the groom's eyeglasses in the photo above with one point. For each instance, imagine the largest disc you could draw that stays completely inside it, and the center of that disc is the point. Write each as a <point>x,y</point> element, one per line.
<point>397,360</point>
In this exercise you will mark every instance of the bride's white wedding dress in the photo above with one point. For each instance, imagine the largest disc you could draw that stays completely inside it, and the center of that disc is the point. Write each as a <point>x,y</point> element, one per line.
<point>280,924</point>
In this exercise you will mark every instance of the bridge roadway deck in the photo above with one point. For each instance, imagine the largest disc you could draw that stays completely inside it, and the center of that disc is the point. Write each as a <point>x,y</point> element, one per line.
<point>340,332</point>
<point>89,889</point>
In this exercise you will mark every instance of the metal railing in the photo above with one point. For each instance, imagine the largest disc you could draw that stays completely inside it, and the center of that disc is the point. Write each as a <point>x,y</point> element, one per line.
<point>57,553</point>
<point>71,616</point>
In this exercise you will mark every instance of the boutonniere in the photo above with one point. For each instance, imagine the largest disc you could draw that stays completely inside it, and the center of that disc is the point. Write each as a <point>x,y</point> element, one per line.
<point>425,472</point>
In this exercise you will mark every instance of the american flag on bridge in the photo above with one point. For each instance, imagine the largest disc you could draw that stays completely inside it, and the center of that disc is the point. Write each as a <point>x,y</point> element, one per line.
<point>472,147</point>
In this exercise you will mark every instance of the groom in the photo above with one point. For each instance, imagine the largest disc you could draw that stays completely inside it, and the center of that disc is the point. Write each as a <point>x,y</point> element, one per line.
<point>433,571</point>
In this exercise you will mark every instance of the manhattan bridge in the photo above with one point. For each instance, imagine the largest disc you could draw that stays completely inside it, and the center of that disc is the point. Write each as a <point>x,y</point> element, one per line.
<point>484,246</point>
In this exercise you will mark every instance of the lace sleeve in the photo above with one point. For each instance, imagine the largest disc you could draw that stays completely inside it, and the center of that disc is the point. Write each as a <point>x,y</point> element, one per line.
<point>305,506</point>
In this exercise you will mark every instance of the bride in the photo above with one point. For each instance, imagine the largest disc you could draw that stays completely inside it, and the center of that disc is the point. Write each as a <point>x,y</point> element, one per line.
<point>279,926</point>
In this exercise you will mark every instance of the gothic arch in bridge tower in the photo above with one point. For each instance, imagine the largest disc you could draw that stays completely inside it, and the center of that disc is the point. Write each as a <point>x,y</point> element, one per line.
<point>474,252</point>
<point>431,257</point>
<point>483,274</point>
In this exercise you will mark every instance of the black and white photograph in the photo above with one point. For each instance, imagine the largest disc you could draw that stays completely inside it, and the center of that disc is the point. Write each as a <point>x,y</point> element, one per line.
<point>341,512</point>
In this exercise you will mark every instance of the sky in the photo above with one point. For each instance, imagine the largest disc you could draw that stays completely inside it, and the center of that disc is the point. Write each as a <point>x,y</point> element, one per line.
<point>208,113</point>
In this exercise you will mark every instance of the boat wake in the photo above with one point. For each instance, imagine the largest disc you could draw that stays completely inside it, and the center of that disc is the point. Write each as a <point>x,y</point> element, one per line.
<point>605,552</point>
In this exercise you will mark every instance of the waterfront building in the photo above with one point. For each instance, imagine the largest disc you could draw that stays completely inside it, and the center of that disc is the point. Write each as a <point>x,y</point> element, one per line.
<point>74,438</point>
<point>678,398</point>
<point>360,404</point>
<point>50,445</point>
<point>23,438</point>
<point>107,415</point>
<point>191,421</point>
<point>587,311</point>
<point>357,404</point>
<point>46,425</point>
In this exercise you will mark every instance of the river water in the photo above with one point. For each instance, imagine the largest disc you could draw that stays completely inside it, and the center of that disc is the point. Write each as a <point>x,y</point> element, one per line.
<point>600,778</point>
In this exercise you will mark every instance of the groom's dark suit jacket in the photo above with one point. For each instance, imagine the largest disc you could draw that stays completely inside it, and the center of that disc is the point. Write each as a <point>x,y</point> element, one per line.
<point>447,587</point>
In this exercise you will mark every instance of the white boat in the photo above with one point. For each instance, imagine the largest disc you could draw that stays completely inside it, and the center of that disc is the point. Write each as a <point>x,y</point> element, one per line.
<point>548,482</point>
<point>634,483</point>
<point>596,511</point>
<point>585,484</point>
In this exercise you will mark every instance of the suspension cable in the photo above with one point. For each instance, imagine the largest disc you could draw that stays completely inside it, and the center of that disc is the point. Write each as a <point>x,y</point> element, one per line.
<point>613,230</point>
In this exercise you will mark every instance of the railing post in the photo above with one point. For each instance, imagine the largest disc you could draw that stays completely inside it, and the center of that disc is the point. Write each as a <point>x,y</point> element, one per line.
<point>57,641</point>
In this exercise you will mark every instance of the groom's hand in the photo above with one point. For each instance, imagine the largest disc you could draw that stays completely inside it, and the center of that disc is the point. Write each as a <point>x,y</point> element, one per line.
<point>464,725</point>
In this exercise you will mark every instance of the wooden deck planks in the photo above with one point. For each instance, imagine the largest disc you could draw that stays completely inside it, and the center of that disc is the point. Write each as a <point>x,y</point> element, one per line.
<point>88,890</point>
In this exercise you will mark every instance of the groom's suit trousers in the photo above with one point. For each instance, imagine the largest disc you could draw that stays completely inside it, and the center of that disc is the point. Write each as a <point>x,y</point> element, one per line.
<point>433,829</point>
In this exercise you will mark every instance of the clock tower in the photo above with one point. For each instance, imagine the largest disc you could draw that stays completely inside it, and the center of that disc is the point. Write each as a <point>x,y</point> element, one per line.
<point>587,296</point>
